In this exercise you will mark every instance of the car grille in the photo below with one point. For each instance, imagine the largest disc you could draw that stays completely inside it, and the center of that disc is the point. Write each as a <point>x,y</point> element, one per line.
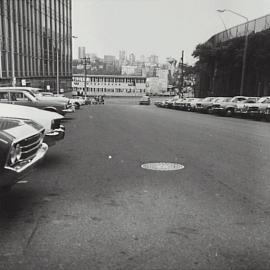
<point>253,108</point>
<point>216,106</point>
<point>30,146</point>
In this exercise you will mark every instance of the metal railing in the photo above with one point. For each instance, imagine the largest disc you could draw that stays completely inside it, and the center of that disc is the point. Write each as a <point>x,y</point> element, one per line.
<point>254,26</point>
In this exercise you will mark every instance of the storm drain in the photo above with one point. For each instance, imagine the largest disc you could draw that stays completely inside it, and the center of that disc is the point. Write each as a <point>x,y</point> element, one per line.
<point>163,166</point>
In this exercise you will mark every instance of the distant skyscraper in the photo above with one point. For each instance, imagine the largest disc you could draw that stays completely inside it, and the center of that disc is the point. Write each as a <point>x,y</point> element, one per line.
<point>153,59</point>
<point>132,59</point>
<point>122,57</point>
<point>81,52</point>
<point>109,59</point>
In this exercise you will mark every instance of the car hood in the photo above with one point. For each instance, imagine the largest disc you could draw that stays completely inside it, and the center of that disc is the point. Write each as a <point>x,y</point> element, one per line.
<point>16,129</point>
<point>53,99</point>
<point>42,117</point>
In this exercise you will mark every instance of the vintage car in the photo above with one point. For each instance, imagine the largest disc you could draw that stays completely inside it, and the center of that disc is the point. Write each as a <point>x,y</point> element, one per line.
<point>169,103</point>
<point>240,108</point>
<point>178,104</point>
<point>145,100</point>
<point>49,96</point>
<point>159,103</point>
<point>227,108</point>
<point>22,96</point>
<point>217,101</point>
<point>258,109</point>
<point>191,104</point>
<point>205,105</point>
<point>21,146</point>
<point>78,100</point>
<point>51,121</point>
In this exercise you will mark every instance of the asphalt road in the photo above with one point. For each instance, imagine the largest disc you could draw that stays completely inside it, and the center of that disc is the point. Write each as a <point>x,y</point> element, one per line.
<point>90,205</point>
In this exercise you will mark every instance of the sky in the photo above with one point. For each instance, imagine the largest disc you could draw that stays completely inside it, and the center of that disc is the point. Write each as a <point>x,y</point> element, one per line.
<point>160,27</point>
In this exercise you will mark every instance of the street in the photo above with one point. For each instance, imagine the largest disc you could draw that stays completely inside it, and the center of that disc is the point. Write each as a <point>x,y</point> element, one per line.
<point>90,205</point>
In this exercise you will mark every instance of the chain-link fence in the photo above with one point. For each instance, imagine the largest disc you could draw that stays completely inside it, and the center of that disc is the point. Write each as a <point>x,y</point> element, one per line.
<point>253,26</point>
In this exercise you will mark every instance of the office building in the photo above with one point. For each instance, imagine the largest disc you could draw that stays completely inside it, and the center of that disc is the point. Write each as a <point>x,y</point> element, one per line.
<point>81,52</point>
<point>36,43</point>
<point>109,85</point>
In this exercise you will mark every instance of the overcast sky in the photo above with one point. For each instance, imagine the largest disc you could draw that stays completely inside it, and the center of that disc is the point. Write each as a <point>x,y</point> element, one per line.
<point>161,27</point>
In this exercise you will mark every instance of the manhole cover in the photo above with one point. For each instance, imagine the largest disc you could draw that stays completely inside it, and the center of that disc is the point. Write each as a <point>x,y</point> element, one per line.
<point>163,166</point>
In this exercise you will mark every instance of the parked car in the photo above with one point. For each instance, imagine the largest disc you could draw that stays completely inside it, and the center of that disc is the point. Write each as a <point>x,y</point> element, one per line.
<point>185,103</point>
<point>204,105</point>
<point>227,108</point>
<point>178,104</point>
<point>217,101</point>
<point>145,100</point>
<point>21,146</point>
<point>191,105</point>
<point>160,103</point>
<point>258,109</point>
<point>78,101</point>
<point>21,96</point>
<point>169,103</point>
<point>51,121</point>
<point>48,96</point>
<point>240,108</point>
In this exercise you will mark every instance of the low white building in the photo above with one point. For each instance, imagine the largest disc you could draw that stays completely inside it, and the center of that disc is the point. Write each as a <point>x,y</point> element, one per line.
<point>109,85</point>
<point>158,85</point>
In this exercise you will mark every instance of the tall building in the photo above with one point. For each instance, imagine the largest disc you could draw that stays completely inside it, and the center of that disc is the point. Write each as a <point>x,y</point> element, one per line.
<point>153,59</point>
<point>109,59</point>
<point>122,57</point>
<point>81,52</point>
<point>36,43</point>
<point>132,59</point>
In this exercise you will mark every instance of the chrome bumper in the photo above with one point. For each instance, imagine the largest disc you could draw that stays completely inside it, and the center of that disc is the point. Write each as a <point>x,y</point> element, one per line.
<point>70,110</point>
<point>56,135</point>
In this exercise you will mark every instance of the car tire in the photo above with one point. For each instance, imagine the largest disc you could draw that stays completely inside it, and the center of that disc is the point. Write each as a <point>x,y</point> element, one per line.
<point>77,105</point>
<point>209,111</point>
<point>229,112</point>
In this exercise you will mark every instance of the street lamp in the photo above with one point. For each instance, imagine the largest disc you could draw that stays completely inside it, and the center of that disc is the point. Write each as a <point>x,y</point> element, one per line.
<point>245,47</point>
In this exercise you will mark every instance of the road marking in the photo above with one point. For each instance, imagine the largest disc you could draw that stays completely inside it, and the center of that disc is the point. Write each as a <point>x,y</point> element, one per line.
<point>163,166</point>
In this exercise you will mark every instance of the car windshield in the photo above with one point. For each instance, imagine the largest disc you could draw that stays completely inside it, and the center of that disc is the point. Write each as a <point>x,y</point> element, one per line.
<point>264,100</point>
<point>238,99</point>
<point>208,99</point>
<point>30,96</point>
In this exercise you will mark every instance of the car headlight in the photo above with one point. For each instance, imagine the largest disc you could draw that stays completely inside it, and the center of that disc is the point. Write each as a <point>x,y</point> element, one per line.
<point>12,155</point>
<point>18,152</point>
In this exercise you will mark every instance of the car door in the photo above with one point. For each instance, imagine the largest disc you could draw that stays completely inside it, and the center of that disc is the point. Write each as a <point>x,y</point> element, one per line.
<point>19,98</point>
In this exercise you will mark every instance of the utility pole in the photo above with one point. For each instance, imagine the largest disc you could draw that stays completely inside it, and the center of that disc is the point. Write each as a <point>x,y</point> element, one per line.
<point>182,73</point>
<point>0,56</point>
<point>86,61</point>
<point>57,69</point>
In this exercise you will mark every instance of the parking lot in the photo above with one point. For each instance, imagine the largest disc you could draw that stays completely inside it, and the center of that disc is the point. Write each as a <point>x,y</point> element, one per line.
<point>90,205</point>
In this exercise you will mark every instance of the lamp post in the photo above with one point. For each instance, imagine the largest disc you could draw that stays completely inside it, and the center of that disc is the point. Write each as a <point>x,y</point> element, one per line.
<point>245,47</point>
<point>0,56</point>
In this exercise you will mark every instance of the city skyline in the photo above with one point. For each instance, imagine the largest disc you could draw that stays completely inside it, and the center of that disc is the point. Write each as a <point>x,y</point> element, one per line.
<point>159,27</point>
<point>122,55</point>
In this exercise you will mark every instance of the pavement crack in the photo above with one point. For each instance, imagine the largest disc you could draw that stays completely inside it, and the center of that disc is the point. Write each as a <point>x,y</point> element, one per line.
<point>33,233</point>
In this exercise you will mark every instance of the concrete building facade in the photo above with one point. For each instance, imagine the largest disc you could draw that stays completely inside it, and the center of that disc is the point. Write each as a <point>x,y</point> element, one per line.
<point>36,43</point>
<point>109,85</point>
<point>81,52</point>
